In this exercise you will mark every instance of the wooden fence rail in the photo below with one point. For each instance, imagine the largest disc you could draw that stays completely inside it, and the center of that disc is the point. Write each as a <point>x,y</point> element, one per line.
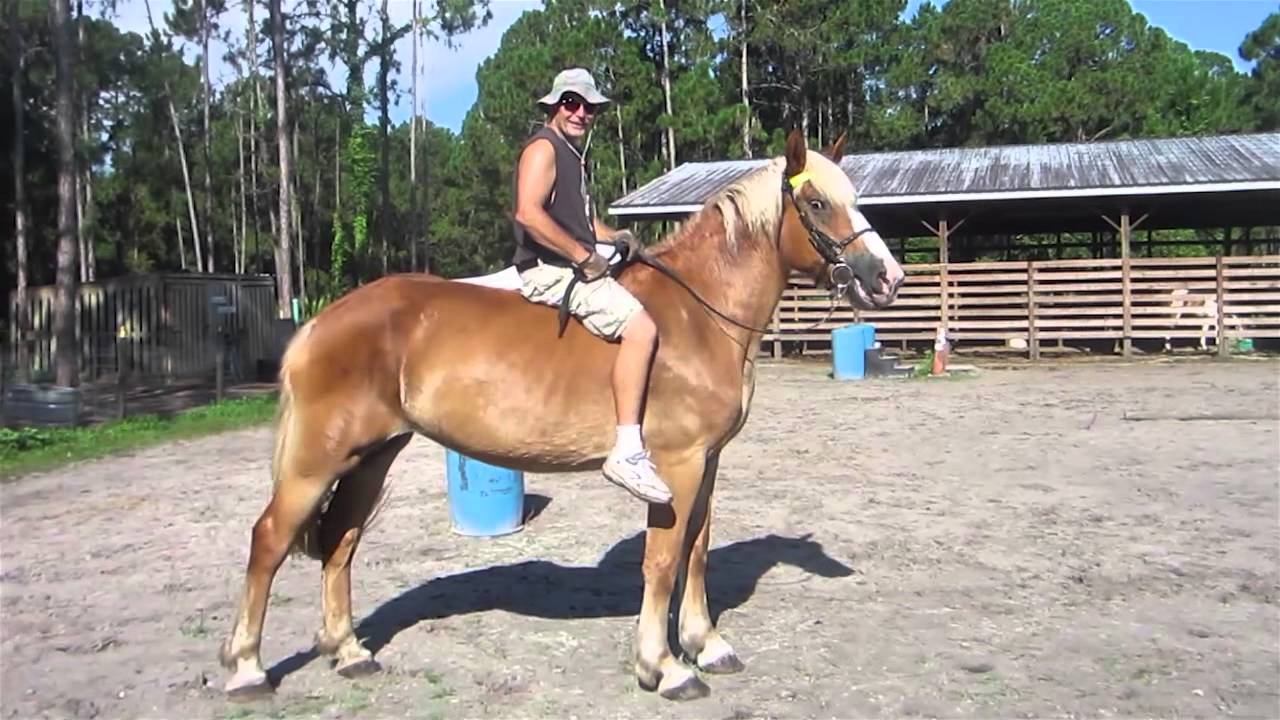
<point>166,325</point>
<point>1006,304</point>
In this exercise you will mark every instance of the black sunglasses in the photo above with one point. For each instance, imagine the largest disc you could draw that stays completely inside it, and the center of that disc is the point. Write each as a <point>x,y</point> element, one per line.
<point>571,105</point>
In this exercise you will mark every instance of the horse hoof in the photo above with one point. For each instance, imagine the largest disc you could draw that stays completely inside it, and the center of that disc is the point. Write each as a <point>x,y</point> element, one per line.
<point>646,684</point>
<point>249,689</point>
<point>360,668</point>
<point>692,688</point>
<point>723,665</point>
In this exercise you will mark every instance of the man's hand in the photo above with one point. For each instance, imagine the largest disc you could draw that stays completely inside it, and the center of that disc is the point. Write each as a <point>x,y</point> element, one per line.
<point>626,242</point>
<point>593,268</point>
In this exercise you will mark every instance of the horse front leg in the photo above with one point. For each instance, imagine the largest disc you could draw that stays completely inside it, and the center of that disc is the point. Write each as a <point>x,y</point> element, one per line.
<point>656,667</point>
<point>698,635</point>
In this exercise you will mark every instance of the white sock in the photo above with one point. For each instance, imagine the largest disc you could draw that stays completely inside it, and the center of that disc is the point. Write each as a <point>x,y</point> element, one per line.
<point>629,442</point>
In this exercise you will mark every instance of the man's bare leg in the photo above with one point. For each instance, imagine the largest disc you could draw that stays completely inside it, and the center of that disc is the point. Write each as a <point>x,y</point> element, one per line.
<point>628,464</point>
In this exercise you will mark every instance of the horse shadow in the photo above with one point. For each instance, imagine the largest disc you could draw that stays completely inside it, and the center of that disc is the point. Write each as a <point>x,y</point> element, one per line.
<point>611,588</point>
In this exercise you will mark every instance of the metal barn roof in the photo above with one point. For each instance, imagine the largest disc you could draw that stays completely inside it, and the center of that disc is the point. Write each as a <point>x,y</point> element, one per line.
<point>1068,174</point>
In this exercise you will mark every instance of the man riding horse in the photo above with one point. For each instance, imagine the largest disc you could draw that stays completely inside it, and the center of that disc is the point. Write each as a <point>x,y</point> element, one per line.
<point>482,371</point>
<point>556,233</point>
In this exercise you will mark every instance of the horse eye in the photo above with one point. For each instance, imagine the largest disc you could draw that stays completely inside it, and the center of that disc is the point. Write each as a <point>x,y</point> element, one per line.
<point>817,204</point>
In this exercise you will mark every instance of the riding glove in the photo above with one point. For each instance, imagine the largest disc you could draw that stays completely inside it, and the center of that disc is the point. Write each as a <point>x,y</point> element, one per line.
<point>593,268</point>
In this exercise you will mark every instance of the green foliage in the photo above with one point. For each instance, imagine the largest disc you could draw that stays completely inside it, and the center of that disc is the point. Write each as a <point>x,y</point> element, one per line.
<point>339,254</point>
<point>967,72</point>
<point>27,449</point>
<point>14,441</point>
<point>1262,46</point>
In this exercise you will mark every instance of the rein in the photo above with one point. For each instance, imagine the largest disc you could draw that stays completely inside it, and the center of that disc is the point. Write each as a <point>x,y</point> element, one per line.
<point>840,274</point>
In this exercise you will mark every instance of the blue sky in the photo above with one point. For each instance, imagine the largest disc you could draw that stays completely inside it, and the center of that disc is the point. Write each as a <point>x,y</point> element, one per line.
<point>449,86</point>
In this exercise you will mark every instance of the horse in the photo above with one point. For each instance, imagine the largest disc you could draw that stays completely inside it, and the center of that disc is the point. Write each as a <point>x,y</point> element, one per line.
<point>1195,305</point>
<point>485,372</point>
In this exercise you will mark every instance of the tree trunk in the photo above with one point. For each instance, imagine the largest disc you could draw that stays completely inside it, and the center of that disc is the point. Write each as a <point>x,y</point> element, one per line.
<point>91,264</point>
<point>235,229</point>
<point>284,279</point>
<point>746,94</point>
<point>666,89</point>
<point>66,353</point>
<point>414,227</point>
<point>256,102</point>
<point>81,255</point>
<point>831,127</point>
<point>84,194</point>
<point>244,205</point>
<point>848,110</point>
<point>186,181</point>
<point>182,158</point>
<point>182,245</point>
<point>300,252</point>
<point>208,154</point>
<point>384,119</point>
<point>17,60</point>
<point>622,150</point>
<point>820,118</point>
<point>804,113</point>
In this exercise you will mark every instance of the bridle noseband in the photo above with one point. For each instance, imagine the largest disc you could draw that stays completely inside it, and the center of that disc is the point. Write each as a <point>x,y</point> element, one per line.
<point>839,272</point>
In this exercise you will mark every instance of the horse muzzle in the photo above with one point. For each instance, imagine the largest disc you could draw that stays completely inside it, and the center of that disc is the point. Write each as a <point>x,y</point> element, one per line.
<point>871,283</point>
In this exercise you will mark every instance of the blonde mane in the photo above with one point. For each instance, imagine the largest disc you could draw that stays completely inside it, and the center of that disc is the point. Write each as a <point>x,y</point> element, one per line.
<point>754,202</point>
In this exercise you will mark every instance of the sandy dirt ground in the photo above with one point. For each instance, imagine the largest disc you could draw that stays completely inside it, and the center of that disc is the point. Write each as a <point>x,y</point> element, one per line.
<point>1061,541</point>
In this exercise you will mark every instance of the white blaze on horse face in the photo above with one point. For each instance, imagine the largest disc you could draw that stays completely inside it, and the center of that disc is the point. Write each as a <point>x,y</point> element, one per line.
<point>875,245</point>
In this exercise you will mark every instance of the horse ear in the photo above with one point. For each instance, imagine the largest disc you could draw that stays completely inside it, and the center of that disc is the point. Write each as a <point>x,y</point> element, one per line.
<point>797,148</point>
<point>836,150</point>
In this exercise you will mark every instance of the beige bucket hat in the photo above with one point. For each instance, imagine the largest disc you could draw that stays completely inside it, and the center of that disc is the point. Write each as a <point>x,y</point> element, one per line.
<point>575,80</point>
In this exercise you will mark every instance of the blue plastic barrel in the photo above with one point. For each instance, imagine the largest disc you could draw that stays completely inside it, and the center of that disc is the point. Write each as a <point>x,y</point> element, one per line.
<point>484,500</point>
<point>849,345</point>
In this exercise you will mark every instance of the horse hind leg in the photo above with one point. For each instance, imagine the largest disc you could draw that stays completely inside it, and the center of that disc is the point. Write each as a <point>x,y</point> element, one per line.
<point>300,486</point>
<point>309,458</point>
<point>341,527</point>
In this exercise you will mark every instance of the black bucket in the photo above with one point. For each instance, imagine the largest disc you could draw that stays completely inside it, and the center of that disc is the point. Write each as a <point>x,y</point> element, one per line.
<point>29,404</point>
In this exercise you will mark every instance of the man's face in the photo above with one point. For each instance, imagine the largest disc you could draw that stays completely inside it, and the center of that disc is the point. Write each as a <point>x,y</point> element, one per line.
<point>575,115</point>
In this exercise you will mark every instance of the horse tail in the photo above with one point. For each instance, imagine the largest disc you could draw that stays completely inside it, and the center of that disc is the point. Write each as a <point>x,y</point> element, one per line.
<point>307,541</point>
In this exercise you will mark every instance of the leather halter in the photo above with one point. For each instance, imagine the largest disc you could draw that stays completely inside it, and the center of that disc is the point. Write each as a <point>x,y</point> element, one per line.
<point>839,272</point>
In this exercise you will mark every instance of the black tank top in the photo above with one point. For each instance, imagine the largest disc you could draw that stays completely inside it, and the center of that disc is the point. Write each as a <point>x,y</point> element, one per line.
<point>569,204</point>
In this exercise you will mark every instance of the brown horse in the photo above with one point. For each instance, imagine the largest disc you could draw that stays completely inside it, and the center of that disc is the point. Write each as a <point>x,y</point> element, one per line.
<point>482,371</point>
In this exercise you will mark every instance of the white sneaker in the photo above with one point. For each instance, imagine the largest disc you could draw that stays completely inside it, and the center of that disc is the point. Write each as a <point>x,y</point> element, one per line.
<point>636,474</point>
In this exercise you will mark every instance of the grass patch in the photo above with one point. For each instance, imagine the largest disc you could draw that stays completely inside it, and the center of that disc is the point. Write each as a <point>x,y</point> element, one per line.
<point>195,628</point>
<point>356,699</point>
<point>29,449</point>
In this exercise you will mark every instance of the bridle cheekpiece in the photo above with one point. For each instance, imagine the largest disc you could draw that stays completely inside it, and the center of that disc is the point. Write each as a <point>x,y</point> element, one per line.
<point>839,272</point>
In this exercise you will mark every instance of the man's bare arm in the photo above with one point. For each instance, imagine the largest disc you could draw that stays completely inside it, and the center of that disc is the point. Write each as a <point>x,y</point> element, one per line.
<point>604,232</point>
<point>535,178</point>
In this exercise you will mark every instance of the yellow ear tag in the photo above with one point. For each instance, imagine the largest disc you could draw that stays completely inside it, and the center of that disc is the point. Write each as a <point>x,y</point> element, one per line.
<point>799,179</point>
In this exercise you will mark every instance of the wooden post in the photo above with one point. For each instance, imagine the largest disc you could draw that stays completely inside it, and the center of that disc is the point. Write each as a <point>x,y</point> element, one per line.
<point>1126,282</point>
<point>943,259</point>
<point>220,356</point>
<point>943,232</point>
<point>1033,335</point>
<point>121,381</point>
<point>1222,311</point>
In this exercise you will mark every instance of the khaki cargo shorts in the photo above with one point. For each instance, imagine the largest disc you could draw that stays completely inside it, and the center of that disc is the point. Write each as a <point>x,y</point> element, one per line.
<point>604,306</point>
